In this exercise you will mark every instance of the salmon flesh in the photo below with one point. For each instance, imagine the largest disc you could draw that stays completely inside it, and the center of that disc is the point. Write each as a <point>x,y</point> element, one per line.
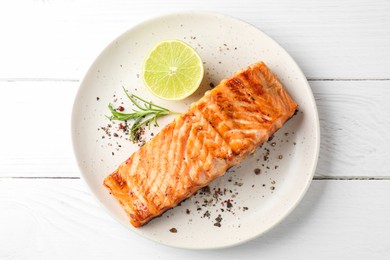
<point>226,125</point>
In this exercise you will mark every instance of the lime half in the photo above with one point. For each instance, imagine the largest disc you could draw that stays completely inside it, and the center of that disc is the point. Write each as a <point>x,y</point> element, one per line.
<point>172,70</point>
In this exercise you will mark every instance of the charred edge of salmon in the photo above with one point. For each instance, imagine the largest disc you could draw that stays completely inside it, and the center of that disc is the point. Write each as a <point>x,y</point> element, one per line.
<point>120,189</point>
<point>138,223</point>
<point>137,220</point>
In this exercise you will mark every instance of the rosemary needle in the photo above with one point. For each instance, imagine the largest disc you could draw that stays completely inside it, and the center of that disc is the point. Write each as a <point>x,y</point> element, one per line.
<point>146,113</point>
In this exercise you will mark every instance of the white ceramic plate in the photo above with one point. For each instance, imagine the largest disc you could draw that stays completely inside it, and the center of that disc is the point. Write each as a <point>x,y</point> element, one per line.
<point>249,204</point>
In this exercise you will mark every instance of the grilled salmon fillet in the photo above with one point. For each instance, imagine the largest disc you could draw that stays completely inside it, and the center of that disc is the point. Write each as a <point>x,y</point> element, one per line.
<point>226,125</point>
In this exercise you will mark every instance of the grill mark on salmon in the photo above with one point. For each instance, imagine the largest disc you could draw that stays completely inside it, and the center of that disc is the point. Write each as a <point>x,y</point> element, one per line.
<point>217,132</point>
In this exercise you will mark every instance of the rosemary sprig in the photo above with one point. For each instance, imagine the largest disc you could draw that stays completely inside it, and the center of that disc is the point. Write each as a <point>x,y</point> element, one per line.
<point>145,115</point>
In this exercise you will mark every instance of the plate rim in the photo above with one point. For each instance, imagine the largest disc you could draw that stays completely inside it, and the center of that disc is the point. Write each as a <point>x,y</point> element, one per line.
<point>316,132</point>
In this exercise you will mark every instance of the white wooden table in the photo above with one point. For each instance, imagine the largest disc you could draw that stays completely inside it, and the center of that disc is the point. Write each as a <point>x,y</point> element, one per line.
<point>46,211</point>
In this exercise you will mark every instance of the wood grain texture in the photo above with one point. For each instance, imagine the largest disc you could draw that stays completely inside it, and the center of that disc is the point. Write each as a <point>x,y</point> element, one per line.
<point>355,121</point>
<point>354,118</point>
<point>58,219</point>
<point>329,39</point>
<point>35,136</point>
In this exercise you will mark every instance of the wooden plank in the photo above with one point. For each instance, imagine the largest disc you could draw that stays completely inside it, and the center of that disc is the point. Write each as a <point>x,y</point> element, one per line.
<point>35,137</point>
<point>59,219</point>
<point>354,118</point>
<point>329,39</point>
